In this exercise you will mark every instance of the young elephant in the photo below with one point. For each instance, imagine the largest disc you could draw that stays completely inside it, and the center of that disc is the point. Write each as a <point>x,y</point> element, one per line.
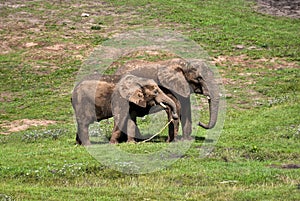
<point>100,96</point>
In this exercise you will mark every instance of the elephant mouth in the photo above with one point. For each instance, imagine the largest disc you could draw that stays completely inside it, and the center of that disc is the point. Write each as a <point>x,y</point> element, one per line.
<point>163,106</point>
<point>198,91</point>
<point>174,114</point>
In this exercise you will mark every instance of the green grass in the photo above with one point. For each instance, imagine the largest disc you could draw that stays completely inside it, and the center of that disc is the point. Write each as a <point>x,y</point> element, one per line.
<point>261,134</point>
<point>220,26</point>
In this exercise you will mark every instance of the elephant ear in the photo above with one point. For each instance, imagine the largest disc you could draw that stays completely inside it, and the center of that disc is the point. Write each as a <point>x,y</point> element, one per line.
<point>138,98</point>
<point>172,78</point>
<point>131,90</point>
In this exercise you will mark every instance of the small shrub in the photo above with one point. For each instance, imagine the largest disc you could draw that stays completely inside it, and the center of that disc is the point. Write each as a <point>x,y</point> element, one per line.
<point>35,135</point>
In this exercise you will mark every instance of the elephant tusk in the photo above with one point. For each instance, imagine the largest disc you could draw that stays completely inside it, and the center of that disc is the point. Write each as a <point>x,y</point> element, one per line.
<point>208,98</point>
<point>163,105</point>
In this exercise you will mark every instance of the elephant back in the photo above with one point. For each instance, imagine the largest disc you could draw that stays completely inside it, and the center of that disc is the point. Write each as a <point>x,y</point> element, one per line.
<point>131,65</point>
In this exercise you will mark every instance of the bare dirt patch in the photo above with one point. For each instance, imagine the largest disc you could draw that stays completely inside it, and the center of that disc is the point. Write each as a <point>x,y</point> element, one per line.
<point>288,8</point>
<point>286,166</point>
<point>23,124</point>
<point>6,96</point>
<point>245,61</point>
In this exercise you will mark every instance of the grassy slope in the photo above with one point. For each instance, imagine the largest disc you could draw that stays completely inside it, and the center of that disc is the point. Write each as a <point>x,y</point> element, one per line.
<point>261,131</point>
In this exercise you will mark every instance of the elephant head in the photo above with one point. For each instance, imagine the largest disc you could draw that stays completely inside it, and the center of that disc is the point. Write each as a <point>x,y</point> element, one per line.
<point>194,76</point>
<point>144,93</point>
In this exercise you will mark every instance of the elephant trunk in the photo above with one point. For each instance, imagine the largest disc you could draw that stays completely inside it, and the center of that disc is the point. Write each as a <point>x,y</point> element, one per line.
<point>163,99</point>
<point>213,101</point>
<point>213,113</point>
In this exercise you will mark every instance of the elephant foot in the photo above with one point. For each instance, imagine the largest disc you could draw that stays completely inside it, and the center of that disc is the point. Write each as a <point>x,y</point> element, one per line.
<point>79,142</point>
<point>172,140</point>
<point>86,143</point>
<point>169,140</point>
<point>187,138</point>
<point>172,137</point>
<point>131,141</point>
<point>113,141</point>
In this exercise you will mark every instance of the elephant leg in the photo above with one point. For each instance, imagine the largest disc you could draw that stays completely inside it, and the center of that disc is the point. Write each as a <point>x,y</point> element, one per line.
<point>186,119</point>
<point>173,130</point>
<point>124,125</point>
<point>82,135</point>
<point>174,125</point>
<point>84,117</point>
<point>116,133</point>
<point>78,141</point>
<point>132,130</point>
<point>137,134</point>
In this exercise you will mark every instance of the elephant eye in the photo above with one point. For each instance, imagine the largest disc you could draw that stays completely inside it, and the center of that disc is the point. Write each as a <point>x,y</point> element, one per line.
<point>196,80</point>
<point>156,91</point>
<point>199,78</point>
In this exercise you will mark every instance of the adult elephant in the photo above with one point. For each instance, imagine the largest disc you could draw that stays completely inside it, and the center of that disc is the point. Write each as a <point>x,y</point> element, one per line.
<point>179,78</point>
<point>131,96</point>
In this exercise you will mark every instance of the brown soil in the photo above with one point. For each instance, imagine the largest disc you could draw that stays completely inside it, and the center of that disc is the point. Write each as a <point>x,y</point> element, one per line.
<point>286,166</point>
<point>288,8</point>
<point>245,61</point>
<point>23,124</point>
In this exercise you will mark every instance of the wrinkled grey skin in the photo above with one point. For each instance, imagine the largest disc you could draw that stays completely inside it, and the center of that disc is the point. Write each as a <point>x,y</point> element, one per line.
<point>93,97</point>
<point>179,78</point>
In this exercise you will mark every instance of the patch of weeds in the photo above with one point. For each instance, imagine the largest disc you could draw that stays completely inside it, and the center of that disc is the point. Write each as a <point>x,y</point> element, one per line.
<point>290,132</point>
<point>97,40</point>
<point>128,167</point>
<point>28,174</point>
<point>278,100</point>
<point>94,169</point>
<point>96,27</point>
<point>67,170</point>
<point>4,197</point>
<point>3,139</point>
<point>35,135</point>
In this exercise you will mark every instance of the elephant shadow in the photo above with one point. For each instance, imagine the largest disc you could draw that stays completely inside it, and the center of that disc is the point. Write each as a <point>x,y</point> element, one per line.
<point>156,139</point>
